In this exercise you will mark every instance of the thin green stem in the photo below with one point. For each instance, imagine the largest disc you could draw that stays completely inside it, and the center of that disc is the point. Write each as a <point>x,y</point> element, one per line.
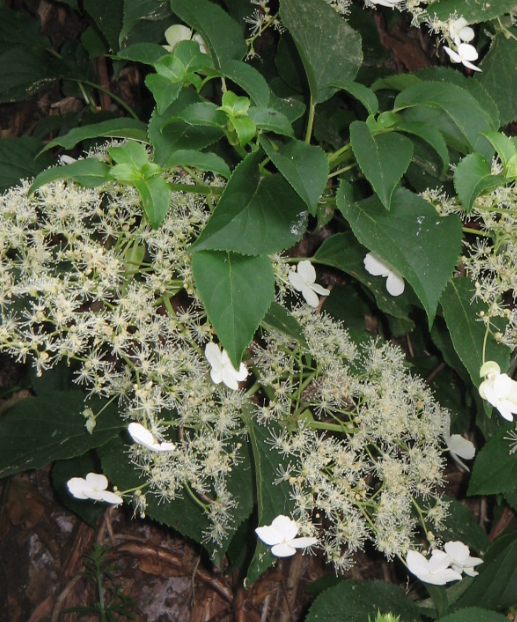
<point>343,170</point>
<point>332,157</point>
<point>487,331</point>
<point>101,593</point>
<point>310,122</point>
<point>116,98</point>
<point>476,232</point>
<point>198,189</point>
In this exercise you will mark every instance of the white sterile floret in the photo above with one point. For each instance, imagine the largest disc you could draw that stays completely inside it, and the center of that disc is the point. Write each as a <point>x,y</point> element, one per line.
<point>461,561</point>
<point>303,280</point>
<point>281,536</point>
<point>93,487</point>
<point>459,447</point>
<point>435,570</point>
<point>177,33</point>
<point>222,368</point>
<point>459,29</point>
<point>377,267</point>
<point>463,54</point>
<point>498,389</point>
<point>144,437</point>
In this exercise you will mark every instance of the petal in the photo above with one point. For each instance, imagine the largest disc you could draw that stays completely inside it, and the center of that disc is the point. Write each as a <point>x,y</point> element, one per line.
<point>456,550</point>
<point>439,561</point>
<point>175,34</point>
<point>467,51</point>
<point>321,291</point>
<point>283,550</point>
<point>470,65</point>
<point>395,284</point>
<point>201,42</point>
<point>97,481</point>
<point>466,34</point>
<point>242,374</point>
<point>285,526</point>
<point>456,58</point>
<point>310,297</point>
<point>417,563</point>
<point>375,266</point>
<point>217,376</point>
<point>303,543</point>
<point>296,281</point>
<point>470,571</point>
<point>229,378</point>
<point>443,576</point>
<point>505,411</point>
<point>111,497</point>
<point>502,386</point>
<point>77,486</point>
<point>141,435</point>
<point>269,535</point>
<point>164,447</point>
<point>307,272</point>
<point>213,355</point>
<point>461,447</point>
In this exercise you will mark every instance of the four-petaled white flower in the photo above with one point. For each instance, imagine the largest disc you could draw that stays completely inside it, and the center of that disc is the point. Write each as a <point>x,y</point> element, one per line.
<point>435,570</point>
<point>459,29</point>
<point>222,368</point>
<point>303,280</point>
<point>461,561</point>
<point>377,267</point>
<point>281,536</point>
<point>498,389</point>
<point>463,54</point>
<point>459,447</point>
<point>93,487</point>
<point>144,437</point>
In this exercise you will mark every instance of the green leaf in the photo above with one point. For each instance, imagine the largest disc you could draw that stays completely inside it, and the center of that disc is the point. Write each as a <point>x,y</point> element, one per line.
<point>304,166</point>
<point>156,197</point>
<point>504,146</point>
<point>249,79</point>
<point>495,469</point>
<point>114,128</point>
<point>461,314</point>
<point>25,72</point>
<point>108,18</point>
<point>18,160</point>
<point>348,305</point>
<point>271,121</point>
<point>17,29</point>
<point>329,48</point>
<point>279,318</point>
<point>431,135</point>
<point>461,107</point>
<point>132,153</point>
<point>496,585</point>
<point>474,613</point>
<point>146,53</point>
<point>62,471</point>
<point>236,292</point>
<point>164,91</point>
<point>203,114</point>
<point>39,430</point>
<point>245,129</point>
<point>199,160</point>
<point>89,173</point>
<point>273,499</point>
<point>354,601</point>
<point>168,136</point>
<point>498,76</point>
<point>474,11</point>
<point>461,525</point>
<point>135,10</point>
<point>374,155</point>
<point>412,238</point>
<point>343,251</point>
<point>221,33</point>
<point>472,177</point>
<point>362,93</point>
<point>255,214</point>
<point>290,107</point>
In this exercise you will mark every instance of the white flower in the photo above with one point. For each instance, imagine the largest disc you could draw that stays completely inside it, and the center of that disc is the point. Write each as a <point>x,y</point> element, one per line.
<point>459,29</point>
<point>144,437</point>
<point>391,4</point>
<point>178,32</point>
<point>499,390</point>
<point>435,570</point>
<point>93,487</point>
<point>464,54</point>
<point>459,447</point>
<point>461,561</point>
<point>303,280</point>
<point>222,368</point>
<point>377,267</point>
<point>281,536</point>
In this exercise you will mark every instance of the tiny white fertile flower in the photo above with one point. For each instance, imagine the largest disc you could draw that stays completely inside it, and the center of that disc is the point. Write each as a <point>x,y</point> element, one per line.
<point>303,280</point>
<point>464,54</point>
<point>459,447</point>
<point>459,29</point>
<point>222,368</point>
<point>144,437</point>
<point>377,267</point>
<point>93,487</point>
<point>281,536</point>
<point>499,390</point>
<point>435,570</point>
<point>460,558</point>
